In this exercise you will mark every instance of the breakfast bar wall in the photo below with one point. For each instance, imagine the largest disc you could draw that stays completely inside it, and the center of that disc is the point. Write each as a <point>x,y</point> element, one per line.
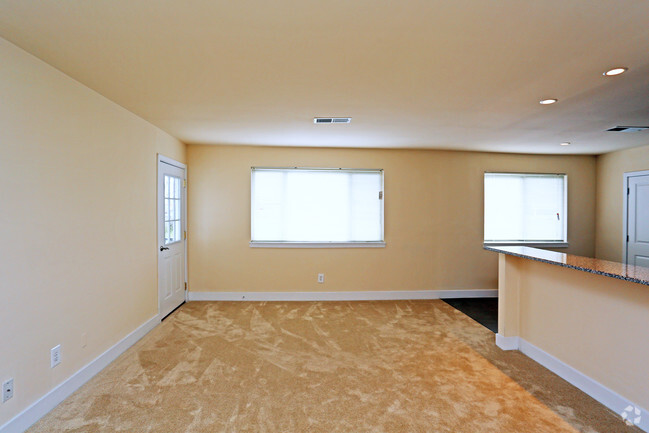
<point>585,319</point>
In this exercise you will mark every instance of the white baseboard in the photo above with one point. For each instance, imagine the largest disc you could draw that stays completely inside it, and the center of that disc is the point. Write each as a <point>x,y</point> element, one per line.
<point>507,343</point>
<point>341,296</point>
<point>596,390</point>
<point>49,401</point>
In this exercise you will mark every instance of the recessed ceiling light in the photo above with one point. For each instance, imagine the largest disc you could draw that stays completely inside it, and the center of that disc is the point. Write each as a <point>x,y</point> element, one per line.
<point>615,71</point>
<point>547,101</point>
<point>565,143</point>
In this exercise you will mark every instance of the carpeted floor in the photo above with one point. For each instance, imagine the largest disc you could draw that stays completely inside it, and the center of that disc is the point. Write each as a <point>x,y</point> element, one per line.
<point>384,367</point>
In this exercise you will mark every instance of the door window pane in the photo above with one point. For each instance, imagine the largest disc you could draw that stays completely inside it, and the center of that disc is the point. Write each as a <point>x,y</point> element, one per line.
<point>172,208</point>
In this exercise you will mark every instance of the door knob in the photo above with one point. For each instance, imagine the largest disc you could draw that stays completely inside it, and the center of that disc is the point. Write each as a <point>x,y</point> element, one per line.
<point>163,248</point>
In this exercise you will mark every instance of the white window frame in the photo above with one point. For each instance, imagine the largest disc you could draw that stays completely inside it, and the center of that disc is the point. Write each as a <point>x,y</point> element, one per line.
<point>541,244</point>
<point>308,244</point>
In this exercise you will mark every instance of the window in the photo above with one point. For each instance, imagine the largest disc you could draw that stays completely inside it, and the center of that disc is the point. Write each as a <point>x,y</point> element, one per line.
<point>525,208</point>
<point>320,207</point>
<point>173,208</point>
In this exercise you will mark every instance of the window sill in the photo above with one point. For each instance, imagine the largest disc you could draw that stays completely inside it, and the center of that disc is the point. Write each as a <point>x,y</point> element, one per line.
<point>260,244</point>
<point>528,244</point>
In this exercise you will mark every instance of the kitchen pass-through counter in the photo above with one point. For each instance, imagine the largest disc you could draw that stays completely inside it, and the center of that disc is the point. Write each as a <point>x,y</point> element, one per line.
<point>635,274</point>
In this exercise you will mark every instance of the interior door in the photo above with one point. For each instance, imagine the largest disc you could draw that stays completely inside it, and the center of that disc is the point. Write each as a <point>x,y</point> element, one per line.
<point>171,235</point>
<point>638,221</point>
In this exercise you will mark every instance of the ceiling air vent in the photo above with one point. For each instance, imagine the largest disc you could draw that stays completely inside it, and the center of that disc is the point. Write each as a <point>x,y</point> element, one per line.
<point>332,120</point>
<point>628,128</point>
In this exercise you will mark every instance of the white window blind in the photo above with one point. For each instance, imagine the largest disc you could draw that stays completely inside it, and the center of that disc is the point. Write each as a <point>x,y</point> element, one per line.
<point>316,205</point>
<point>525,207</point>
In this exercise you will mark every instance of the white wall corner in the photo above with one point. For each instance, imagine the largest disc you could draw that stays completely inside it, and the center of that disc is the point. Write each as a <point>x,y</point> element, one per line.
<point>49,401</point>
<point>507,343</point>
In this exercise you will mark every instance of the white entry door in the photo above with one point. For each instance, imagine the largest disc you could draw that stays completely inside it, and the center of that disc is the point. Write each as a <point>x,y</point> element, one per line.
<point>638,220</point>
<point>171,235</point>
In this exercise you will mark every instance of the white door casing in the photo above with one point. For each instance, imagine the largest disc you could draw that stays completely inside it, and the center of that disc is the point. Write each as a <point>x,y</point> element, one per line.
<point>637,219</point>
<point>171,234</point>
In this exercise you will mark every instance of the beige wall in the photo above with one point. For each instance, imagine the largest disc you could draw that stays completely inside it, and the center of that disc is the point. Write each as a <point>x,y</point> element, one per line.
<point>604,338</point>
<point>78,176</point>
<point>610,199</point>
<point>433,220</point>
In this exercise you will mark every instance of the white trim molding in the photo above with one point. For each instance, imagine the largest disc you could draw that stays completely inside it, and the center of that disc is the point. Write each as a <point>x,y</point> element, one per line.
<point>263,244</point>
<point>171,161</point>
<point>507,343</point>
<point>49,401</point>
<point>625,211</point>
<point>596,390</point>
<point>341,296</point>
<point>528,244</point>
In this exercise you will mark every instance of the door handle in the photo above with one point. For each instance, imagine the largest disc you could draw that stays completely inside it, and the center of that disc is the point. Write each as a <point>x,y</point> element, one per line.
<point>163,248</point>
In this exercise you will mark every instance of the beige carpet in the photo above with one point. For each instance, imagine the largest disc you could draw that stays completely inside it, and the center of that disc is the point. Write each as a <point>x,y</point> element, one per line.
<point>402,366</point>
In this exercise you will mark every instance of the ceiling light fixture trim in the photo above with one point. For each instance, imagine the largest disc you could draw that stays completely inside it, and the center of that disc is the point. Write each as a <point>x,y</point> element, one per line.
<point>615,71</point>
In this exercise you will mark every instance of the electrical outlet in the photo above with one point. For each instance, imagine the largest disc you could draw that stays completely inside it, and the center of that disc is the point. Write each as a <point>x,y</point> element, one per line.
<point>55,356</point>
<point>7,389</point>
<point>320,278</point>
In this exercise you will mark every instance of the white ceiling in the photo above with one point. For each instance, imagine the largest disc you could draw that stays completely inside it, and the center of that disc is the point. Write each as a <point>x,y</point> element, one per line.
<point>456,74</point>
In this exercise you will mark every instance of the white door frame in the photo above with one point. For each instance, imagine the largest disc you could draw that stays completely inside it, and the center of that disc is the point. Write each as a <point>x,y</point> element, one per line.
<point>625,208</point>
<point>159,204</point>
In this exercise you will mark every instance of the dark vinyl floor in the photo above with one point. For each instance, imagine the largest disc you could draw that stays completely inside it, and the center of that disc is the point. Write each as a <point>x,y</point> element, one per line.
<point>482,310</point>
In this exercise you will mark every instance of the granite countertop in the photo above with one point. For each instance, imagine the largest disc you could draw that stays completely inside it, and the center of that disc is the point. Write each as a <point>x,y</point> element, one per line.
<point>635,274</point>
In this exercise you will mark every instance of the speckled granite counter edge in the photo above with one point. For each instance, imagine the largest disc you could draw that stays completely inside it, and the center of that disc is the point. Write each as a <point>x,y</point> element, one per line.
<point>565,265</point>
